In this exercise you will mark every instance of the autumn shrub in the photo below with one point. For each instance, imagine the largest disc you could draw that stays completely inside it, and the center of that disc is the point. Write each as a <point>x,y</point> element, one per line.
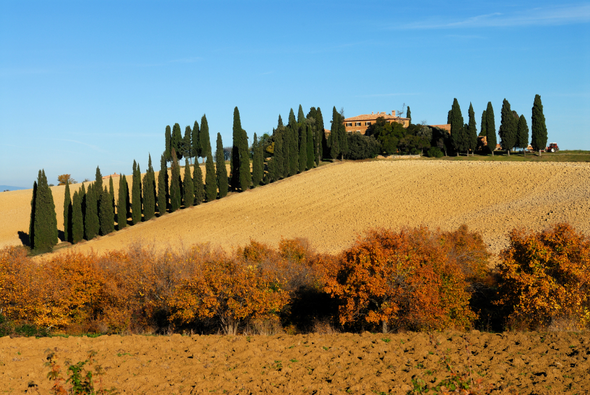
<point>415,279</point>
<point>545,278</point>
<point>229,290</point>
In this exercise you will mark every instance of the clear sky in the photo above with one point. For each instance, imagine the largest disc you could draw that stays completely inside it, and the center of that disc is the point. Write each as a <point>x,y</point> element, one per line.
<point>94,83</point>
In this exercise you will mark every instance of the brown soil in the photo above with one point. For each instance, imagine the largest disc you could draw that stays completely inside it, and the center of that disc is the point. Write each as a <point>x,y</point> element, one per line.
<point>524,363</point>
<point>333,204</point>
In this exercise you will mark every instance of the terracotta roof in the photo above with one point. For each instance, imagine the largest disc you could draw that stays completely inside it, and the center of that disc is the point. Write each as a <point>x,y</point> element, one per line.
<point>372,117</point>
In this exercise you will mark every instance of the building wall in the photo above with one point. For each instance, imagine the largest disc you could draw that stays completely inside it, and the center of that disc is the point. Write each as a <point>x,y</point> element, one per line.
<point>361,123</point>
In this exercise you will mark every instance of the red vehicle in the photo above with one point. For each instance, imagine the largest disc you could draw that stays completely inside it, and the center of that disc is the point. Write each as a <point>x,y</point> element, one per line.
<point>552,147</point>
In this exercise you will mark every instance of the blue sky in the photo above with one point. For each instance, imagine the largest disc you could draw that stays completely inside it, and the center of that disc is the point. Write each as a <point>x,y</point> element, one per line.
<point>94,83</point>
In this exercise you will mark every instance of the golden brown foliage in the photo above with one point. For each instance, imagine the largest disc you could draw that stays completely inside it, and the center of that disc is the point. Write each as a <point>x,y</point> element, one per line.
<point>545,278</point>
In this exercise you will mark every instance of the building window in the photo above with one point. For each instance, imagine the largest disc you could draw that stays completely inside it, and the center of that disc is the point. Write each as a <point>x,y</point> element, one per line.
<point>348,123</point>
<point>368,123</point>
<point>357,124</point>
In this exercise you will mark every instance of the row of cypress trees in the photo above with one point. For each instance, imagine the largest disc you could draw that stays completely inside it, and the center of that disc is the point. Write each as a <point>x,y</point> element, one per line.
<point>513,131</point>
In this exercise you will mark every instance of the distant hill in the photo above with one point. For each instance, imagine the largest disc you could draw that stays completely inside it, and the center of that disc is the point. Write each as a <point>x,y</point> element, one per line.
<point>9,188</point>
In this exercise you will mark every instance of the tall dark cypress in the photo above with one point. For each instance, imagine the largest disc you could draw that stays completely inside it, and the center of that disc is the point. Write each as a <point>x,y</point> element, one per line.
<point>198,184</point>
<point>310,145</point>
<point>175,193</point>
<point>234,164</point>
<point>187,146</point>
<point>539,129</point>
<point>105,213</point>
<point>522,134</point>
<point>484,120</point>
<point>279,154</point>
<point>112,197</point>
<point>82,192</point>
<point>508,127</point>
<point>32,220</point>
<point>245,175</point>
<point>321,142</point>
<point>210,179</point>
<point>409,114</point>
<point>257,162</point>
<point>220,169</point>
<point>77,218</point>
<point>91,223</point>
<point>302,146</point>
<point>189,188</point>
<point>177,141</point>
<point>205,139</point>
<point>136,204</point>
<point>292,142</point>
<point>67,214</point>
<point>196,140</point>
<point>491,128</point>
<point>471,130</point>
<point>99,186</point>
<point>457,132</point>
<point>149,192</point>
<point>333,139</point>
<point>168,149</point>
<point>343,136</point>
<point>122,203</point>
<point>163,193</point>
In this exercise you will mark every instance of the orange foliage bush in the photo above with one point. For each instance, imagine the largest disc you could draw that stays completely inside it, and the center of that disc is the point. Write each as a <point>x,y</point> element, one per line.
<point>545,278</point>
<point>414,279</point>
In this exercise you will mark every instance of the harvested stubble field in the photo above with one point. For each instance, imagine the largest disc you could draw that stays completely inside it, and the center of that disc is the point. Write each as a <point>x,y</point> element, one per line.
<point>508,363</point>
<point>330,206</point>
<point>333,204</point>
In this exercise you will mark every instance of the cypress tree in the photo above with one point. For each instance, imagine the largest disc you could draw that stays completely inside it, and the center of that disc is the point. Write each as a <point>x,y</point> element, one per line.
<point>99,186</point>
<point>105,213</point>
<point>279,154</point>
<point>136,195</point>
<point>163,193</point>
<point>539,129</point>
<point>234,165</point>
<point>187,146</point>
<point>82,192</point>
<point>257,162</point>
<point>196,140</point>
<point>300,116</point>
<point>91,223</point>
<point>168,149</point>
<point>320,139</point>
<point>409,114</point>
<point>77,219</point>
<point>220,169</point>
<point>177,141</point>
<point>343,136</point>
<point>292,142</point>
<point>522,134</point>
<point>32,220</point>
<point>471,130</point>
<point>302,147</point>
<point>491,128</point>
<point>149,192</point>
<point>175,193</point>
<point>122,202</point>
<point>210,179</point>
<point>189,188</point>
<point>68,214</point>
<point>310,146</point>
<point>508,128</point>
<point>457,132</point>
<point>198,184</point>
<point>205,139</point>
<point>112,197</point>
<point>484,120</point>
<point>333,139</point>
<point>245,175</point>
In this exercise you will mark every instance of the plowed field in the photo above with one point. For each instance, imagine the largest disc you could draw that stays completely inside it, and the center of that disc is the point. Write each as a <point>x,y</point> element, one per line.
<point>524,363</point>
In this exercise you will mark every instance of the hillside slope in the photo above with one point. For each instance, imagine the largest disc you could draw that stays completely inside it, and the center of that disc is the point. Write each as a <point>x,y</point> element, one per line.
<point>331,205</point>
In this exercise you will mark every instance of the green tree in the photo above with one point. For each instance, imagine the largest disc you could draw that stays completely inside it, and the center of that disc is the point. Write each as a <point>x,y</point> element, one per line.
<point>205,139</point>
<point>136,195</point>
<point>67,214</point>
<point>91,223</point>
<point>196,141</point>
<point>302,146</point>
<point>321,141</point>
<point>43,226</point>
<point>409,114</point>
<point>210,179</point>
<point>177,141</point>
<point>522,134</point>
<point>168,149</point>
<point>278,159</point>
<point>458,137</point>
<point>163,192</point>
<point>149,192</point>
<point>471,130</point>
<point>241,179</point>
<point>187,146</point>
<point>342,135</point>
<point>484,120</point>
<point>123,202</point>
<point>508,128</point>
<point>310,145</point>
<point>105,213</point>
<point>189,188</point>
<point>257,162</point>
<point>539,129</point>
<point>333,139</point>
<point>112,196</point>
<point>491,128</point>
<point>77,219</point>
<point>175,193</point>
<point>198,184</point>
<point>220,169</point>
<point>291,141</point>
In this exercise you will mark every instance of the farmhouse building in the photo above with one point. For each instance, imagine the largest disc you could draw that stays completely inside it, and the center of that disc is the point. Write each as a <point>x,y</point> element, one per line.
<point>360,123</point>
